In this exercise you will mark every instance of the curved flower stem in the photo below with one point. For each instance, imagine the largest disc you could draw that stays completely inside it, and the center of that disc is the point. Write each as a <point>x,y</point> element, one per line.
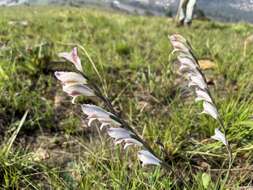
<point>91,61</point>
<point>229,150</point>
<point>87,55</point>
<point>220,121</point>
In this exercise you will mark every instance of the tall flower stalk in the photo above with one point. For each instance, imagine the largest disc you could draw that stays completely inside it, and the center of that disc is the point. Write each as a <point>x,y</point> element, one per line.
<point>189,67</point>
<point>77,84</point>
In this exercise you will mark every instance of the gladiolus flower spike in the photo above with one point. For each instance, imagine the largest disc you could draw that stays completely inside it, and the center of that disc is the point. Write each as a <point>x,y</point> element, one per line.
<point>188,66</point>
<point>75,84</point>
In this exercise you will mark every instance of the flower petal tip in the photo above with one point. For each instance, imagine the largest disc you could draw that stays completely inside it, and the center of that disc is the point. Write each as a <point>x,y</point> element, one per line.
<point>219,136</point>
<point>148,158</point>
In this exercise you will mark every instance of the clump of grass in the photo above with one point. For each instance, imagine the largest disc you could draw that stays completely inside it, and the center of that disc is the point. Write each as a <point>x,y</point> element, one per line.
<point>20,169</point>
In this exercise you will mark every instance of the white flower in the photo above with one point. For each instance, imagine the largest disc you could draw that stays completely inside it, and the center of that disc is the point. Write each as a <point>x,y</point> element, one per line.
<point>187,63</point>
<point>131,141</point>
<point>210,109</point>
<point>123,135</point>
<point>177,37</point>
<point>147,158</point>
<point>219,136</point>
<point>73,58</point>
<point>179,47</point>
<point>96,113</point>
<point>196,79</point>
<point>70,78</point>
<point>179,44</point>
<point>76,90</point>
<point>202,95</point>
<point>119,133</point>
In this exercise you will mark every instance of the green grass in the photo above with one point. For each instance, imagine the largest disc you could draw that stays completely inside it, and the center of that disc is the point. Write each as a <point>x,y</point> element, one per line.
<point>55,150</point>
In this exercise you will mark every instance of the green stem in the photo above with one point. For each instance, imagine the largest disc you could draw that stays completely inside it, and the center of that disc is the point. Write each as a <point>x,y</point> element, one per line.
<point>220,121</point>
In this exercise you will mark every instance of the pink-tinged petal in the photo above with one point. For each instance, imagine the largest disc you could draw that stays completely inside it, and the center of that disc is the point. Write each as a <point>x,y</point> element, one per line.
<point>131,141</point>
<point>76,90</point>
<point>188,63</point>
<point>179,47</point>
<point>95,111</point>
<point>70,78</point>
<point>148,158</point>
<point>210,109</point>
<point>179,44</point>
<point>73,58</point>
<point>202,95</point>
<point>177,37</point>
<point>197,80</point>
<point>122,135</point>
<point>219,136</point>
<point>119,133</point>
<point>100,114</point>
<point>183,69</point>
